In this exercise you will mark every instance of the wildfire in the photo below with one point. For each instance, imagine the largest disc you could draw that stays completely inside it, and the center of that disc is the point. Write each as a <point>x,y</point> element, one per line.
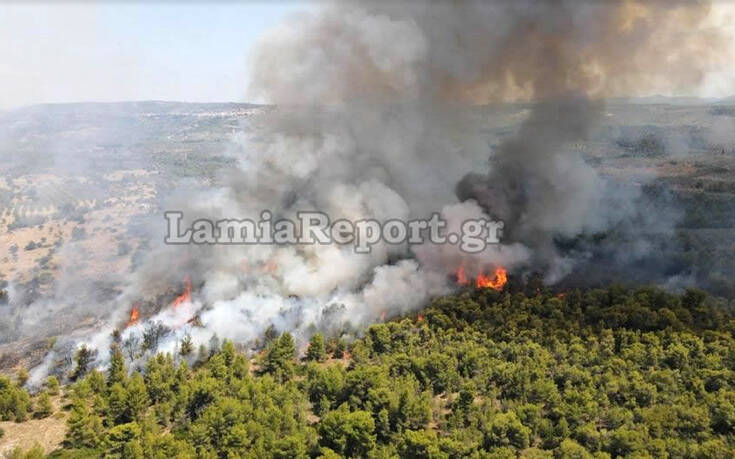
<point>420,318</point>
<point>461,277</point>
<point>184,297</point>
<point>496,283</point>
<point>134,315</point>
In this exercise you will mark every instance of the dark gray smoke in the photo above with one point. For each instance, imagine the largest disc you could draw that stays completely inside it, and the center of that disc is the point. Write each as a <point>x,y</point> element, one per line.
<point>430,63</point>
<point>378,117</point>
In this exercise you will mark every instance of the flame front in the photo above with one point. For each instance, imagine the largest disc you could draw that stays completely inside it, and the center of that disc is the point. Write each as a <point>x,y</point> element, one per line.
<point>461,277</point>
<point>184,297</point>
<point>134,316</point>
<point>496,283</point>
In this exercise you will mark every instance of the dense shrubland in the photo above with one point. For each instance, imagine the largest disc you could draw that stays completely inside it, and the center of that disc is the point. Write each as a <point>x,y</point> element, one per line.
<point>598,373</point>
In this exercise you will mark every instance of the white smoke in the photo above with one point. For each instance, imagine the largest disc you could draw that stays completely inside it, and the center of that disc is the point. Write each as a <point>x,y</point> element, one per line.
<point>376,119</point>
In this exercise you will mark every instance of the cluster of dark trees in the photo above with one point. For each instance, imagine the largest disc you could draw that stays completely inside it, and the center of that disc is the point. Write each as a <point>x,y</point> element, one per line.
<point>482,374</point>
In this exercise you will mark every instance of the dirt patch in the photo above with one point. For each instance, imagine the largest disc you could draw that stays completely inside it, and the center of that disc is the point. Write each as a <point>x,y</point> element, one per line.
<point>48,432</point>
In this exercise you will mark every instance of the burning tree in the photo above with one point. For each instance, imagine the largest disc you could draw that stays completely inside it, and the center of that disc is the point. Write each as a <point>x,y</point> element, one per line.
<point>496,282</point>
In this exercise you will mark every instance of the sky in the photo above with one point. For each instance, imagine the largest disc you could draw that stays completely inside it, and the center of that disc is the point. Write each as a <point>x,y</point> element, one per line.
<point>186,51</point>
<point>116,51</point>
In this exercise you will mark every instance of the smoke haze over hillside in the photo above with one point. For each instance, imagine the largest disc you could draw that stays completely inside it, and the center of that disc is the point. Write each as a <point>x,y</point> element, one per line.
<point>374,120</point>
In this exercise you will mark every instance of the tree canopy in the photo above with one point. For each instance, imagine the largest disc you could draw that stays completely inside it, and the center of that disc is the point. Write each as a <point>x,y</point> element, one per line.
<point>598,373</point>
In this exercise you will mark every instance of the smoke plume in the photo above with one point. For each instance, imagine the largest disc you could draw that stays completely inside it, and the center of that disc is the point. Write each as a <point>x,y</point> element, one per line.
<point>379,115</point>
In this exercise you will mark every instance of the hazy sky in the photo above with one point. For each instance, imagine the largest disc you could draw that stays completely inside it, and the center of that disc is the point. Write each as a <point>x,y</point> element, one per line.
<point>187,51</point>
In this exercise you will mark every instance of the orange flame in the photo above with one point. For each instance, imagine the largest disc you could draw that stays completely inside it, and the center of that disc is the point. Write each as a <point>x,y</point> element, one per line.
<point>420,318</point>
<point>134,315</point>
<point>461,277</point>
<point>382,316</point>
<point>496,283</point>
<point>184,297</point>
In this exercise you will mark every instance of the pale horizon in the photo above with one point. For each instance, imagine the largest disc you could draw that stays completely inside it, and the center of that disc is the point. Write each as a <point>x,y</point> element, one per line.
<point>191,52</point>
<point>115,52</point>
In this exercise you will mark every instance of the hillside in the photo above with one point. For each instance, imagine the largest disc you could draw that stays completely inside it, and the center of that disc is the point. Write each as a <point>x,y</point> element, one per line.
<point>82,186</point>
<point>595,373</point>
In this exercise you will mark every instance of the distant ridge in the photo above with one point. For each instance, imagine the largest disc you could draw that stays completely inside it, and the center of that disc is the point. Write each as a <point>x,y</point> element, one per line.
<point>130,107</point>
<point>672,100</point>
<point>172,107</point>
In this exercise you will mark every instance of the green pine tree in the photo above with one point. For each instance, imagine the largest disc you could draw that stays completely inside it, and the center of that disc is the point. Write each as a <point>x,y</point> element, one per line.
<point>116,373</point>
<point>280,356</point>
<point>84,430</point>
<point>83,358</point>
<point>44,408</point>
<point>137,401</point>
<point>117,404</point>
<point>52,385</point>
<point>317,351</point>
